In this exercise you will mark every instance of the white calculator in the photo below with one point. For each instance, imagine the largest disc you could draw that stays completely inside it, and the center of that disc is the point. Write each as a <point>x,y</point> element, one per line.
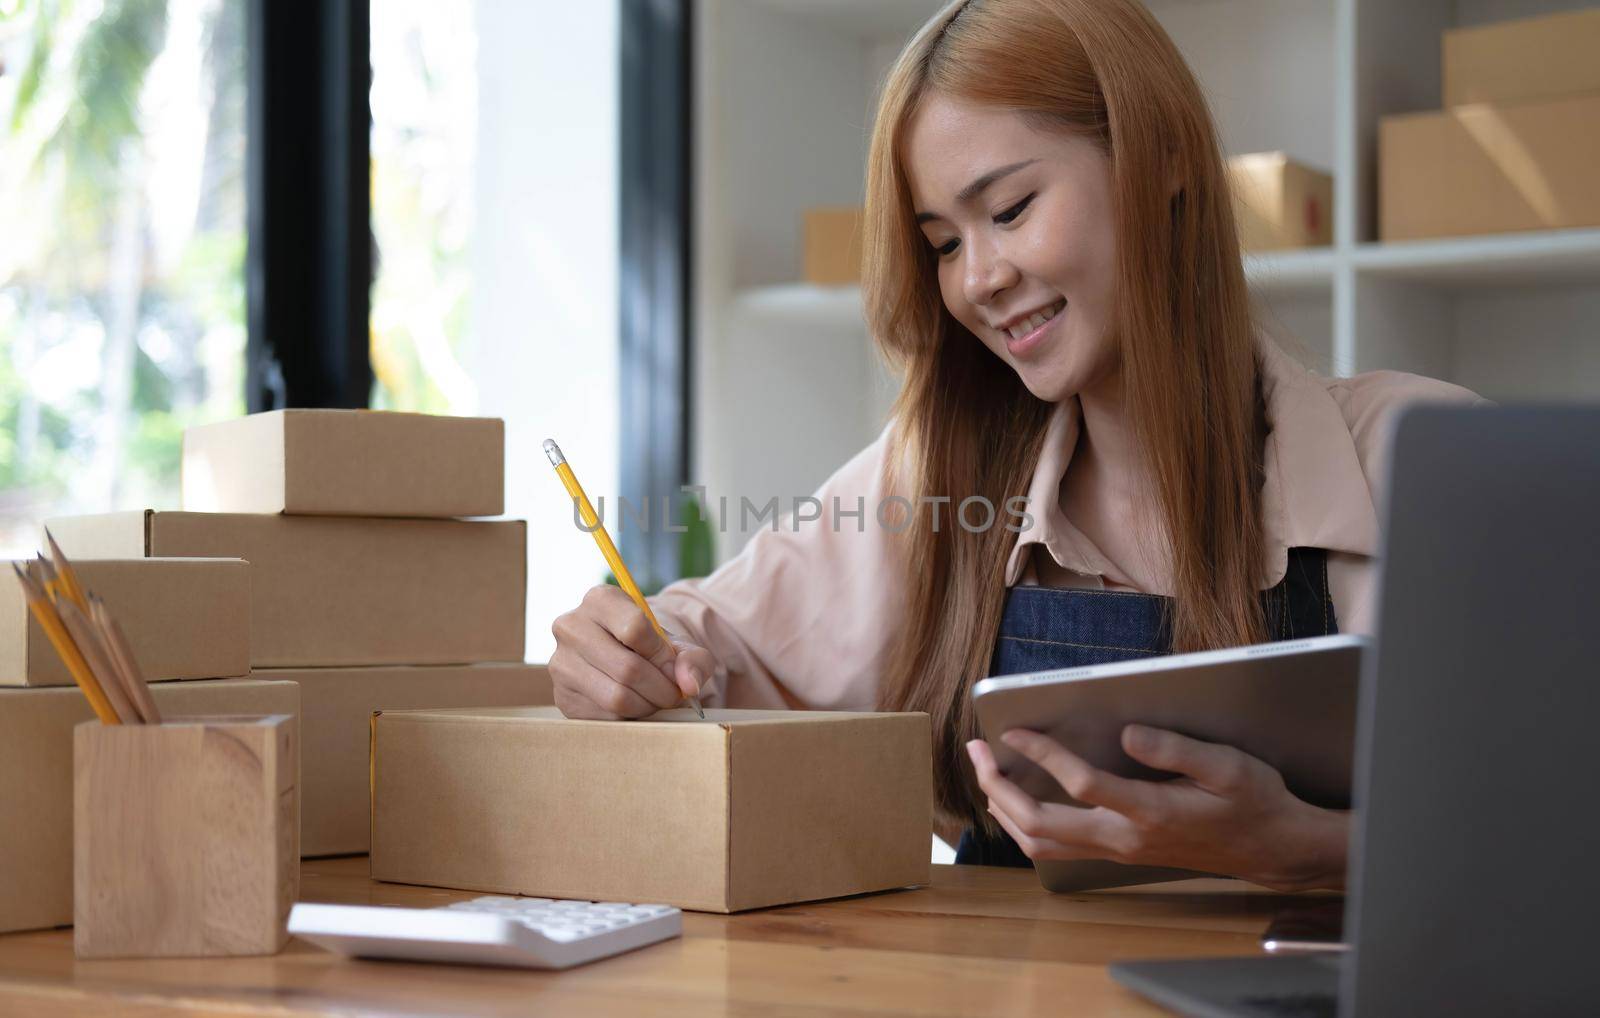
<point>536,933</point>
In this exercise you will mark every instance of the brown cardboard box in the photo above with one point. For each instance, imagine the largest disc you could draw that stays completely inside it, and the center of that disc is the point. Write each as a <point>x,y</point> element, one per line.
<point>746,809</point>
<point>185,618</point>
<point>36,782</point>
<point>336,706</point>
<point>1532,58</point>
<point>1490,168</point>
<point>346,463</point>
<point>337,591</point>
<point>1280,204</point>
<point>832,239</point>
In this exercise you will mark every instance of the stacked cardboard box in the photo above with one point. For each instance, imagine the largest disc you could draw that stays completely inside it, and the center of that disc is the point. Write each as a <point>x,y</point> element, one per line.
<point>185,619</point>
<point>1516,145</point>
<point>36,781</point>
<point>370,589</point>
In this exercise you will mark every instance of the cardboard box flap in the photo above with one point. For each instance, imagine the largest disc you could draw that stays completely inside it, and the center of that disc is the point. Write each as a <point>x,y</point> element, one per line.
<point>104,535</point>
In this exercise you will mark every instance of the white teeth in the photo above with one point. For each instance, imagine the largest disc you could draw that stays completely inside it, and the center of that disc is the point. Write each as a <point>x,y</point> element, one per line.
<point>1035,320</point>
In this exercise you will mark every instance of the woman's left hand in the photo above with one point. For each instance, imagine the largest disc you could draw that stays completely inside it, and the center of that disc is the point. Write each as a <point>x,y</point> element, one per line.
<point>1228,813</point>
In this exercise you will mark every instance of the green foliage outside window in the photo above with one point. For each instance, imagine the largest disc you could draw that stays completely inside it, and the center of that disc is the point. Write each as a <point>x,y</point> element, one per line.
<point>122,265</point>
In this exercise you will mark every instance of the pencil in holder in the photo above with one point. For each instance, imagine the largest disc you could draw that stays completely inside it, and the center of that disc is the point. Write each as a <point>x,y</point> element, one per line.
<point>186,837</point>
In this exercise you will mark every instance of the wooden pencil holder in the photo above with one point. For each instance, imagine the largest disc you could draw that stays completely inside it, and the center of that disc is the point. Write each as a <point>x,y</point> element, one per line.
<point>186,838</point>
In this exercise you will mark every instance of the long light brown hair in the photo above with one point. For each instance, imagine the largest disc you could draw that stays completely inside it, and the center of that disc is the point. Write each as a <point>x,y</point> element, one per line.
<point>1105,70</point>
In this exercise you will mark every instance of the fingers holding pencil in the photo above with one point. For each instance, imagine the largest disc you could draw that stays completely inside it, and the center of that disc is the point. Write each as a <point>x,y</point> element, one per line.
<point>619,569</point>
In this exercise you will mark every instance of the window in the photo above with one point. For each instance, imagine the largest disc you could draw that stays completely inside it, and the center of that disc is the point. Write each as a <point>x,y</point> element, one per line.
<point>122,306</point>
<point>494,207</point>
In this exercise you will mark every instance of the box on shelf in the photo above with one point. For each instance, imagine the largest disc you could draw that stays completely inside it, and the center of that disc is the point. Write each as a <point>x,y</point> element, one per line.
<point>1547,57</point>
<point>346,463</point>
<point>1279,204</point>
<point>746,809</point>
<point>36,782</point>
<point>336,706</point>
<point>184,618</point>
<point>1490,168</point>
<point>338,591</point>
<point>832,240</point>
<point>185,837</point>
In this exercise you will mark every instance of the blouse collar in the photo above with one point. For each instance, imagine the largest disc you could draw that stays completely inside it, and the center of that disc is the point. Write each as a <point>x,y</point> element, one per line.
<point>1315,493</point>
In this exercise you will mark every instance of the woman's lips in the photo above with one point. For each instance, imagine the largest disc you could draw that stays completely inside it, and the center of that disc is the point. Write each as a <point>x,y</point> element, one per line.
<point>1031,342</point>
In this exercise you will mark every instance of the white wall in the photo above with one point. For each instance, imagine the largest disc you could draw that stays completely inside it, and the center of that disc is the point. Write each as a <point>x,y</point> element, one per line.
<point>544,334</point>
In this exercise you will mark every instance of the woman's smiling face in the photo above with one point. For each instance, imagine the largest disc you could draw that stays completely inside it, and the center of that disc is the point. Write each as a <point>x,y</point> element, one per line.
<point>1022,226</point>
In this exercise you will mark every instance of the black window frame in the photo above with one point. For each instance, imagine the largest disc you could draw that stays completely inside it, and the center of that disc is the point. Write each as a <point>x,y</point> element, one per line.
<point>311,255</point>
<point>656,237</point>
<point>309,262</point>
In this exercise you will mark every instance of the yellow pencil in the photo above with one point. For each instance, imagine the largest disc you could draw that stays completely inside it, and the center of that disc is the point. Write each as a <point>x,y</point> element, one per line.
<point>114,652</point>
<point>68,576</point>
<point>88,644</point>
<point>619,569</point>
<point>122,657</point>
<point>39,604</point>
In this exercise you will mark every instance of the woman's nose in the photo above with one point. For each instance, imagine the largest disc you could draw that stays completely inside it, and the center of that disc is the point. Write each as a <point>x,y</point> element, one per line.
<point>988,274</point>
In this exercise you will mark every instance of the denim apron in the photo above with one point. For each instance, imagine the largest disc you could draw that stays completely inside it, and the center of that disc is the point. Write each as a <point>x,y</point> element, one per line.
<point>1045,628</point>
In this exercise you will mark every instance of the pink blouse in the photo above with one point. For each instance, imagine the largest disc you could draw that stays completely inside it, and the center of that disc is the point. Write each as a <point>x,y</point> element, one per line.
<point>805,615</point>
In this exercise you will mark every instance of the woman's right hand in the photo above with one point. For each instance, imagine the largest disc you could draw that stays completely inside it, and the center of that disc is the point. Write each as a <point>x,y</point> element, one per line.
<point>609,664</point>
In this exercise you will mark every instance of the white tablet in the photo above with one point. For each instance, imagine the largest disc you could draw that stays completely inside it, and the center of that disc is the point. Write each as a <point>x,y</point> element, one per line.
<point>1291,704</point>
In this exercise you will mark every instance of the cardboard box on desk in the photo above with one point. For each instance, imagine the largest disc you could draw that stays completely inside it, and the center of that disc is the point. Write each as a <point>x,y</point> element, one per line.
<point>1280,204</point>
<point>342,591</point>
<point>36,782</point>
<point>346,463</point>
<point>1490,168</point>
<point>185,618</point>
<point>1531,58</point>
<point>746,809</point>
<point>336,706</point>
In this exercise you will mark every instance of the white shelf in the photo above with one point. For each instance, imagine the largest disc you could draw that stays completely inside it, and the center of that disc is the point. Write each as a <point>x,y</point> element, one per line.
<point>835,306</point>
<point>1522,259</point>
<point>1292,274</point>
<point>1289,274</point>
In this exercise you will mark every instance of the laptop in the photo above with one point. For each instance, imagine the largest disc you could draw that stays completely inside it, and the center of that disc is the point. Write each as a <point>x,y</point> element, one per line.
<point>1475,855</point>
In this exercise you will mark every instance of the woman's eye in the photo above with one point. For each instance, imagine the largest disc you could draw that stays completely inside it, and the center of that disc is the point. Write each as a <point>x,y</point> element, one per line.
<point>948,247</point>
<point>1014,211</point>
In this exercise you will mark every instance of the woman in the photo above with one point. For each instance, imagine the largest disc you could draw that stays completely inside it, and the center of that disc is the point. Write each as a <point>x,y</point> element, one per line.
<point>1052,263</point>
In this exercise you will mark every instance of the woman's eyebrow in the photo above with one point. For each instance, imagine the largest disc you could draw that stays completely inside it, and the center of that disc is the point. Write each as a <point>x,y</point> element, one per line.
<point>977,187</point>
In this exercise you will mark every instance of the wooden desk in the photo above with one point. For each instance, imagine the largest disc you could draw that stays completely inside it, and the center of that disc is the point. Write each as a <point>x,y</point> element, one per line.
<point>978,940</point>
